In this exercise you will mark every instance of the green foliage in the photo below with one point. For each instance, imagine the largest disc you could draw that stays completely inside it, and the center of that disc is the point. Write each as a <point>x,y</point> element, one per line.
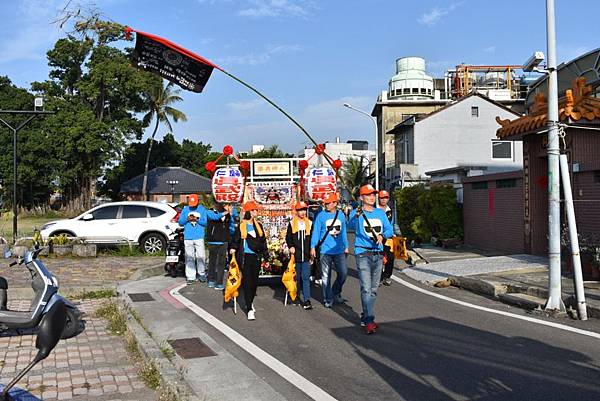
<point>62,239</point>
<point>354,174</point>
<point>272,152</point>
<point>423,213</point>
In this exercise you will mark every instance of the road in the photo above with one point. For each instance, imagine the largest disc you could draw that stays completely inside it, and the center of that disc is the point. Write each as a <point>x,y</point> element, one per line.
<point>425,349</point>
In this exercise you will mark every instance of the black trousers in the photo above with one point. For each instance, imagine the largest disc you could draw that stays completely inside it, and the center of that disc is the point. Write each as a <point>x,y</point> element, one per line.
<point>388,268</point>
<point>217,259</point>
<point>250,272</point>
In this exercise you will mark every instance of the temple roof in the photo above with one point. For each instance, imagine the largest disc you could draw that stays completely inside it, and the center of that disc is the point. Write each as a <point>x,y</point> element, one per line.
<point>578,104</point>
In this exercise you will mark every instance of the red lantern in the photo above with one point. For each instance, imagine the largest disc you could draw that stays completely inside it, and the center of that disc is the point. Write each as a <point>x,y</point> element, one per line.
<point>337,164</point>
<point>303,164</point>
<point>245,165</point>
<point>320,149</point>
<point>228,150</point>
<point>211,166</point>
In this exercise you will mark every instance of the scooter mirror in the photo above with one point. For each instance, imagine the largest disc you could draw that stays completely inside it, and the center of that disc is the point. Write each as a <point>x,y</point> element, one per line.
<point>50,330</point>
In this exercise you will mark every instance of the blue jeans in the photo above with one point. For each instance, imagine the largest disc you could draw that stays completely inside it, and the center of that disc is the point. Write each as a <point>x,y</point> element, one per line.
<point>194,258</point>
<point>338,262</point>
<point>369,267</point>
<point>303,279</point>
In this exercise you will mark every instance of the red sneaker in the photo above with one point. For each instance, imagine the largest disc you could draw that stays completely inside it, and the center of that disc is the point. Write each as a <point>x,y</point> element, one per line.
<point>370,328</point>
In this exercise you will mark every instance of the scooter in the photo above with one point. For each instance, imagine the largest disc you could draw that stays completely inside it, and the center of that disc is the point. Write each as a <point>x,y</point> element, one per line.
<point>175,260</point>
<point>45,288</point>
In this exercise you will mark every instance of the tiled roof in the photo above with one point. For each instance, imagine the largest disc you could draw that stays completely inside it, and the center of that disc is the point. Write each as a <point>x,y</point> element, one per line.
<point>576,105</point>
<point>189,182</point>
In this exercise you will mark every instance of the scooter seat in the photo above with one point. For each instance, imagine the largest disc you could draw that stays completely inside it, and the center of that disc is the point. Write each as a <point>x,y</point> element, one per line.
<point>16,319</point>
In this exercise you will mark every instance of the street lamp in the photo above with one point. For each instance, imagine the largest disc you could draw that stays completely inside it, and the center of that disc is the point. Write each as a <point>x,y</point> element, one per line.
<point>172,183</point>
<point>374,120</point>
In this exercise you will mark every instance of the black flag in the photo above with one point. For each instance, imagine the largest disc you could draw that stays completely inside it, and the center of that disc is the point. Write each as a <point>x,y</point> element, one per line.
<point>172,62</point>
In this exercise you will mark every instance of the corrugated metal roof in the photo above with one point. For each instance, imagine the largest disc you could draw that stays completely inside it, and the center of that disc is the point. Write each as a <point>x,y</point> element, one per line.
<point>189,182</point>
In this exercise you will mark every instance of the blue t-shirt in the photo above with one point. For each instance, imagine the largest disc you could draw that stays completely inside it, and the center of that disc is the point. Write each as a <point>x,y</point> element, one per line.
<point>336,241</point>
<point>251,232</point>
<point>379,223</point>
<point>197,230</point>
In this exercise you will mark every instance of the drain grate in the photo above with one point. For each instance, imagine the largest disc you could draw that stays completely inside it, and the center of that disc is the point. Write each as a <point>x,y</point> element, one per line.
<point>141,297</point>
<point>189,348</point>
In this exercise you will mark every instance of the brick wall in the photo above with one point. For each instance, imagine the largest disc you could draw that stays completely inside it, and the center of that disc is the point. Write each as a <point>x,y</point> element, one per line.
<point>493,212</point>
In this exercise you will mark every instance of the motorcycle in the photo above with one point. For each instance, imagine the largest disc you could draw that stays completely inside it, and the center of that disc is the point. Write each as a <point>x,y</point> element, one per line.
<point>175,260</point>
<point>45,288</point>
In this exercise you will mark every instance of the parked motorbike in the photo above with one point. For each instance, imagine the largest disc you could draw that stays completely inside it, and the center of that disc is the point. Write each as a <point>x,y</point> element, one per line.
<point>175,260</point>
<point>45,288</point>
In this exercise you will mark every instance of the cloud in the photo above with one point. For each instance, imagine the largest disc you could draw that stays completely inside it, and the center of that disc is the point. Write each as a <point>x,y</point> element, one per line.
<point>254,59</point>
<point>490,49</point>
<point>34,32</point>
<point>437,68</point>
<point>245,106</point>
<point>434,15</point>
<point>277,8</point>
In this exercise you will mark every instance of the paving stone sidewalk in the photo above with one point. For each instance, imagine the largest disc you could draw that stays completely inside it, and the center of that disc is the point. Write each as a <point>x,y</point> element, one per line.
<point>83,272</point>
<point>92,365</point>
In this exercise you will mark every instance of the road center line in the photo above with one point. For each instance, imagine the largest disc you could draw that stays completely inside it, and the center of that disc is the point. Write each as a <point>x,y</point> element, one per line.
<point>301,383</point>
<point>508,314</point>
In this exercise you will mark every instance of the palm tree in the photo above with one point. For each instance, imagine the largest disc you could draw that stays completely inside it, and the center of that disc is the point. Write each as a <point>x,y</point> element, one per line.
<point>160,99</point>
<point>355,173</point>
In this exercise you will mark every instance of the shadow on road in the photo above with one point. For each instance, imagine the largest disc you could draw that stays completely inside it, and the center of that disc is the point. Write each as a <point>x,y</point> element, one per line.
<point>433,359</point>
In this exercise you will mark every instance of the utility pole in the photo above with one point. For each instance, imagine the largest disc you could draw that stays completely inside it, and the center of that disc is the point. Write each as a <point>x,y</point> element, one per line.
<point>554,302</point>
<point>31,115</point>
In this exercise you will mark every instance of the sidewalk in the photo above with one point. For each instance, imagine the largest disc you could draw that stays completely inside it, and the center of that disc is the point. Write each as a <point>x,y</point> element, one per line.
<point>521,280</point>
<point>211,374</point>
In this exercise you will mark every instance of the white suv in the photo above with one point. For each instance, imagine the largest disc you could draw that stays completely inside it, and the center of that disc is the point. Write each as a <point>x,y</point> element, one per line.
<point>148,224</point>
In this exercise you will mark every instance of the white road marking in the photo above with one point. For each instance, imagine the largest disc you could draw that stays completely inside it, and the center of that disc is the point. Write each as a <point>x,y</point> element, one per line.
<point>307,387</point>
<point>498,312</point>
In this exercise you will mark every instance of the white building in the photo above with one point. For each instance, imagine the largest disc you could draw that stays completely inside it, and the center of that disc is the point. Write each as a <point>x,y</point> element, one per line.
<point>343,151</point>
<point>462,133</point>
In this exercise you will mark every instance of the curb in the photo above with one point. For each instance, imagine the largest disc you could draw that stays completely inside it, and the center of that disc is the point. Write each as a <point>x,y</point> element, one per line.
<point>527,297</point>
<point>151,351</point>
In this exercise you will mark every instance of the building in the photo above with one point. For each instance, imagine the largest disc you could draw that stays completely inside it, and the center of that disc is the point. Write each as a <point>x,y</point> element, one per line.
<point>462,133</point>
<point>413,93</point>
<point>167,184</point>
<point>343,151</point>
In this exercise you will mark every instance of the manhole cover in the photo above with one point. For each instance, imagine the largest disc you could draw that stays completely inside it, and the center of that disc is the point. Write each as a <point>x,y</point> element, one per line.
<point>189,348</point>
<point>141,297</point>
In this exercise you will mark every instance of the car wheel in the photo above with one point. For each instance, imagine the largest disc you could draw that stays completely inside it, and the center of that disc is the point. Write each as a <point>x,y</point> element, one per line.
<point>153,243</point>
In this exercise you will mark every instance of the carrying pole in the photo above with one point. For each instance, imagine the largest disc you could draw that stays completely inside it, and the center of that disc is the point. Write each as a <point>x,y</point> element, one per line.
<point>235,305</point>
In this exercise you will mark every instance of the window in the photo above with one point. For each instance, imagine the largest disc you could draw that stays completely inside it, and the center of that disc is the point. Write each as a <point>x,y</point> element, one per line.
<point>502,150</point>
<point>474,111</point>
<point>480,185</point>
<point>133,212</point>
<point>423,91</point>
<point>506,183</point>
<point>105,213</point>
<point>415,91</point>
<point>597,176</point>
<point>154,212</point>
<point>406,91</point>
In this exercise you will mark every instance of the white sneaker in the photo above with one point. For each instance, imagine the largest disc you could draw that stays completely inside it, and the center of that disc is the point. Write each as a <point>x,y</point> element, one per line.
<point>251,315</point>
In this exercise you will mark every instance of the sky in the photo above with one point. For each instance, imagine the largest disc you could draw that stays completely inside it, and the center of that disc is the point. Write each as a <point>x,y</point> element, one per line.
<point>309,56</point>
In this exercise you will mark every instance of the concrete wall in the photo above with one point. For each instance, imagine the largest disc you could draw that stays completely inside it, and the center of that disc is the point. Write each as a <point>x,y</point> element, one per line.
<point>453,137</point>
<point>492,216</point>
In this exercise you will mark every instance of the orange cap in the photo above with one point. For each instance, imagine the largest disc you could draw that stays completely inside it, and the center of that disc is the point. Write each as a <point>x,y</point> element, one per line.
<point>332,197</point>
<point>367,189</point>
<point>249,206</point>
<point>384,194</point>
<point>301,205</point>
<point>193,200</point>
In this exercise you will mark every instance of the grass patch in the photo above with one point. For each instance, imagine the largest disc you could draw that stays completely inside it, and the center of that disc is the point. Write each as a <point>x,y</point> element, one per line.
<point>167,392</point>
<point>95,294</point>
<point>126,251</point>
<point>149,374</point>
<point>166,349</point>
<point>116,322</point>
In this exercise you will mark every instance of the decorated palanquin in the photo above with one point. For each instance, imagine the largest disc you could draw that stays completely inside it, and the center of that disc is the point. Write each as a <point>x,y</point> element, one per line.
<point>277,199</point>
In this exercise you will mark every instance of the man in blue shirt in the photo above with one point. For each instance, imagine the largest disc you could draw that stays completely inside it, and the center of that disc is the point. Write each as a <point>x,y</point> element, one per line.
<point>372,227</point>
<point>330,237</point>
<point>194,218</point>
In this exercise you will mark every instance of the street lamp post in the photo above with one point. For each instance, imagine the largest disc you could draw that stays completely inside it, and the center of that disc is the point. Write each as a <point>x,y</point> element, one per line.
<point>31,115</point>
<point>172,183</point>
<point>374,120</point>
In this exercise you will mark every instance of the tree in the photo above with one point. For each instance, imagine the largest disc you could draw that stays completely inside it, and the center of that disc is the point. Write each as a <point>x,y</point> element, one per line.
<point>272,152</point>
<point>160,99</point>
<point>355,174</point>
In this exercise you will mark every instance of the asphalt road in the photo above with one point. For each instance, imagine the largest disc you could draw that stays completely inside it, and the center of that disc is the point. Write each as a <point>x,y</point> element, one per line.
<point>425,348</point>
